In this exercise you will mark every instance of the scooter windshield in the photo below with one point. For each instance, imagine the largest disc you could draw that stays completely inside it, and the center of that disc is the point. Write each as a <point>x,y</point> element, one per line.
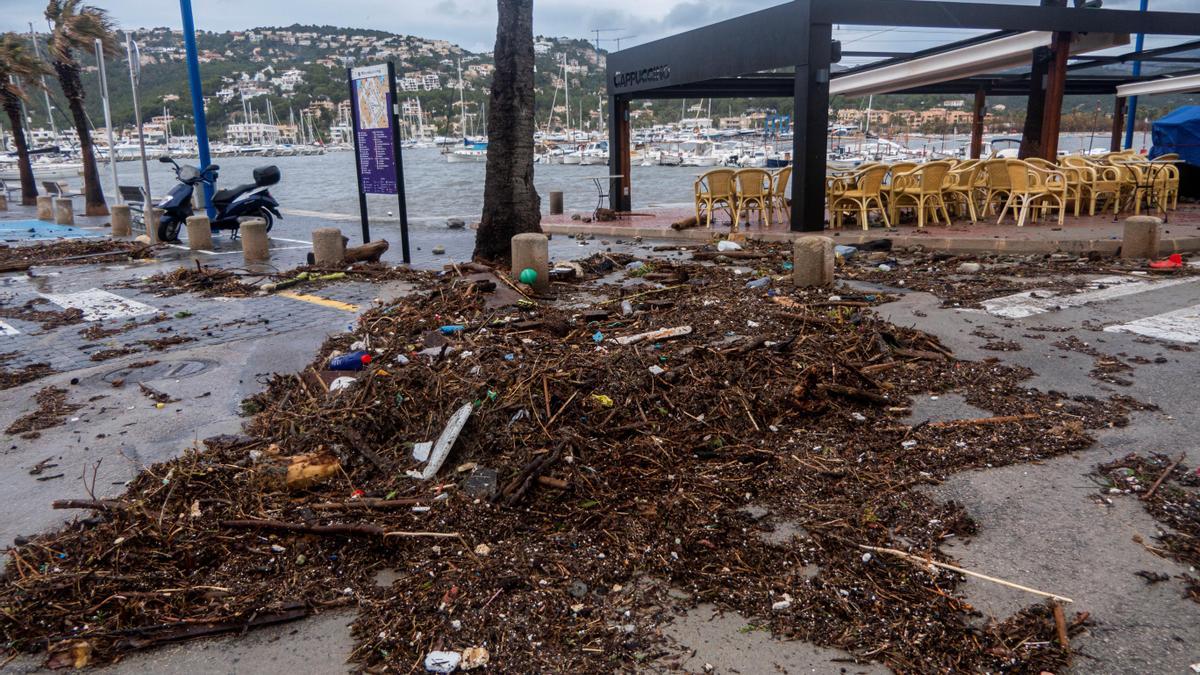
<point>189,173</point>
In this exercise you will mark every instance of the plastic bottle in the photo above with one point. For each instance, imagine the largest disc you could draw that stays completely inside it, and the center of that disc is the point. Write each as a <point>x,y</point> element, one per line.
<point>351,361</point>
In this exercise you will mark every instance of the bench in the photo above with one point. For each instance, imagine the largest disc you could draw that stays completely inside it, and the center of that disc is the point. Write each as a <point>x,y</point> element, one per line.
<point>8,189</point>
<point>135,197</point>
<point>59,190</point>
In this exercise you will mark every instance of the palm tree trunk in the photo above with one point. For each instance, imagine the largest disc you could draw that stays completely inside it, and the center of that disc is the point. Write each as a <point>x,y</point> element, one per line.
<point>511,204</point>
<point>29,192</point>
<point>93,194</point>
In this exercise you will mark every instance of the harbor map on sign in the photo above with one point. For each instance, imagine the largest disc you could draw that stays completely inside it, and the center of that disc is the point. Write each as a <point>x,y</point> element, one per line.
<point>371,90</point>
<point>372,102</point>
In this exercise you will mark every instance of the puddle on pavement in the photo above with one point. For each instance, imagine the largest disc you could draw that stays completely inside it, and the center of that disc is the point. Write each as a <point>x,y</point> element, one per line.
<point>942,408</point>
<point>729,643</point>
<point>385,577</point>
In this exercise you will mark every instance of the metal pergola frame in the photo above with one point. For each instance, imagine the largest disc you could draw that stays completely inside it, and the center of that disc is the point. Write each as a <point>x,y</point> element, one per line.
<point>726,59</point>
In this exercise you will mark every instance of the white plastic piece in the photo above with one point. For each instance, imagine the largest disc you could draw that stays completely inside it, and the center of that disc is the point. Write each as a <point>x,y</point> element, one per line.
<point>441,449</point>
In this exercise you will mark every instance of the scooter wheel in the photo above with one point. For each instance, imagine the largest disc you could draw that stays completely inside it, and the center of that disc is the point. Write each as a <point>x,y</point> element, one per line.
<point>168,231</point>
<point>267,216</point>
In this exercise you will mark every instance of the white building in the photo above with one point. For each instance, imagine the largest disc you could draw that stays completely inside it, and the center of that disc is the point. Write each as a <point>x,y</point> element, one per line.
<point>431,82</point>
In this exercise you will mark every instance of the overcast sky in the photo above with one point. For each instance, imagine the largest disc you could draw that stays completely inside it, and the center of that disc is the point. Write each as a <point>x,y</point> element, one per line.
<point>471,23</point>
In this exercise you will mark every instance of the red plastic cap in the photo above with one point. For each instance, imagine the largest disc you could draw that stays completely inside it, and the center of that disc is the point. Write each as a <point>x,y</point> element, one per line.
<point>366,358</point>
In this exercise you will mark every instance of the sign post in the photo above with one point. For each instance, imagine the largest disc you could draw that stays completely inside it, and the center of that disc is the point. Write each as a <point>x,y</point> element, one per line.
<point>377,155</point>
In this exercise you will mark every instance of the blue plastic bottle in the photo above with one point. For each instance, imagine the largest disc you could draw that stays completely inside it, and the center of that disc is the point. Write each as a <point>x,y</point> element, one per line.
<point>351,361</point>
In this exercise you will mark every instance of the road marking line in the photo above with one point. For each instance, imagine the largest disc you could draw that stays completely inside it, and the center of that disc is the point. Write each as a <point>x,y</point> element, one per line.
<point>317,300</point>
<point>277,248</point>
<point>1181,325</point>
<point>1029,303</point>
<point>7,330</point>
<point>98,305</point>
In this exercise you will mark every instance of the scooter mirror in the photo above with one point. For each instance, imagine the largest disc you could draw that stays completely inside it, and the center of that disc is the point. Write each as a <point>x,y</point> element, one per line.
<point>165,159</point>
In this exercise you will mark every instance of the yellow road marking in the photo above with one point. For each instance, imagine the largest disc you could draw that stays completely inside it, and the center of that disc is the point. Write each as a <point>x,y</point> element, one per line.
<point>317,300</point>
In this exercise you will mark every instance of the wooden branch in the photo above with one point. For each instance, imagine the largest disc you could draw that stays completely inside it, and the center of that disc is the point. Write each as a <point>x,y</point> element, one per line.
<point>982,421</point>
<point>93,504</point>
<point>349,529</point>
<point>1154,487</point>
<point>368,504</point>
<point>926,561</point>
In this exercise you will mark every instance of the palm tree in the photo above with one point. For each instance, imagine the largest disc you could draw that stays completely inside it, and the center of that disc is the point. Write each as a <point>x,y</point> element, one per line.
<point>75,27</point>
<point>18,65</point>
<point>510,203</point>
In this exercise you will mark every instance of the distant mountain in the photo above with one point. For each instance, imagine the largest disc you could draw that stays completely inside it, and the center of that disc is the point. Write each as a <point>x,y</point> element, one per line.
<point>280,72</point>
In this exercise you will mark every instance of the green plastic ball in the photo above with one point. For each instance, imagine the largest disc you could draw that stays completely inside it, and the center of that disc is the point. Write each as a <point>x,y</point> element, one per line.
<point>528,275</point>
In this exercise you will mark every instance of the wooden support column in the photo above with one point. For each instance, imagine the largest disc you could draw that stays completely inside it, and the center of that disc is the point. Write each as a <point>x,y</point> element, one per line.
<point>1056,82</point>
<point>977,123</point>
<point>620,193</point>
<point>811,130</point>
<point>1118,125</point>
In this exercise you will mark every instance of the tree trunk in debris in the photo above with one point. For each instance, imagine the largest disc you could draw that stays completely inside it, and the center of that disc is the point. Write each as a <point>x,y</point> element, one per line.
<point>1035,110</point>
<point>511,204</point>
<point>93,194</point>
<point>12,106</point>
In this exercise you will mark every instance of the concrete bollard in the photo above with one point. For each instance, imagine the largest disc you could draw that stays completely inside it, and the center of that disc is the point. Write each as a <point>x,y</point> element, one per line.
<point>199,232</point>
<point>64,211</point>
<point>1140,239</point>
<point>45,208</point>
<point>532,250</point>
<point>3,202</point>
<point>812,261</point>
<point>556,203</point>
<point>329,247</point>
<point>122,221</point>
<point>255,246</point>
<point>152,219</point>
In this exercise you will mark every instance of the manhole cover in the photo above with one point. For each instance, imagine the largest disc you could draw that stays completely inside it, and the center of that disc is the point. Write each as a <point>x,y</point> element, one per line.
<point>163,370</point>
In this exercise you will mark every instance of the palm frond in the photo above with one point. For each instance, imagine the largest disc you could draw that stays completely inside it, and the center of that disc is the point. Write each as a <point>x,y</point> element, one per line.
<point>75,26</point>
<point>19,67</point>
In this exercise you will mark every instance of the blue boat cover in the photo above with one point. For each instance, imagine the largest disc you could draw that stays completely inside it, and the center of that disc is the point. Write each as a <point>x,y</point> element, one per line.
<point>1178,132</point>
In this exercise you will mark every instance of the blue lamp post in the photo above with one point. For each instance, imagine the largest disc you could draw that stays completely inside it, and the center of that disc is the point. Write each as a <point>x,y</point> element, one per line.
<point>1131,114</point>
<point>193,64</point>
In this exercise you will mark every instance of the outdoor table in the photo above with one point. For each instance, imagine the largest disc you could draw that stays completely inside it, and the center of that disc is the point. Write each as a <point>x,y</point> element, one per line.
<point>602,186</point>
<point>1150,176</point>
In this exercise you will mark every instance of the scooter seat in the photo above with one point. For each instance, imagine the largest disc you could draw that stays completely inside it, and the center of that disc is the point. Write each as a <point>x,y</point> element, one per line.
<point>225,197</point>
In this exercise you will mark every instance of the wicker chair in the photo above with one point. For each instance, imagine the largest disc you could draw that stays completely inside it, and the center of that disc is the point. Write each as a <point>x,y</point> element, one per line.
<point>780,181</point>
<point>713,188</point>
<point>753,194</point>
<point>1095,181</point>
<point>961,185</point>
<point>856,194</point>
<point>1033,187</point>
<point>996,185</point>
<point>921,189</point>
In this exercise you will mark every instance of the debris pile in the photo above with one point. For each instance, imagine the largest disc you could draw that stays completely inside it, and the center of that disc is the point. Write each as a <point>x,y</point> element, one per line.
<point>1168,491</point>
<point>589,464</point>
<point>52,411</point>
<point>69,252</point>
<point>967,280</point>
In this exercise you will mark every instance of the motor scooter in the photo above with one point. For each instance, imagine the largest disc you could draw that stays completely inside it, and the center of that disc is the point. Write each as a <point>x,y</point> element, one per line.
<point>244,202</point>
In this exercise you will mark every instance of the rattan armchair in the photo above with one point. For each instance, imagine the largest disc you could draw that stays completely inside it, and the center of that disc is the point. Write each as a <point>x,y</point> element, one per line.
<point>921,189</point>
<point>753,194</point>
<point>715,188</point>
<point>856,194</point>
<point>1033,187</point>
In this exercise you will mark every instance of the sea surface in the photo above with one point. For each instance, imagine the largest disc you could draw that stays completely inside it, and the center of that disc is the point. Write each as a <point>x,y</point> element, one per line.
<point>320,190</point>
